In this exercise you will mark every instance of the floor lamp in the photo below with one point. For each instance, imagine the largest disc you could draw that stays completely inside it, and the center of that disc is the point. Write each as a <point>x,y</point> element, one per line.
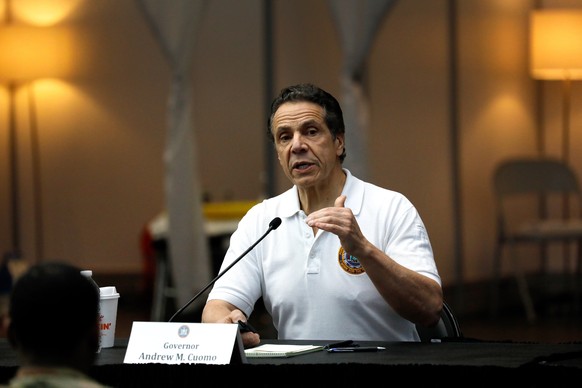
<point>28,53</point>
<point>556,54</point>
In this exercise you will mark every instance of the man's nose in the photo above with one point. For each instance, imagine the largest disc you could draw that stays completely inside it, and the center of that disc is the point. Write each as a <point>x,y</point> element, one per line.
<point>298,143</point>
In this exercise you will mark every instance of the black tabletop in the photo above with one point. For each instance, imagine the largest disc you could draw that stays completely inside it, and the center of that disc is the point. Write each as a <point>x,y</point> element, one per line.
<point>469,353</point>
<point>482,362</point>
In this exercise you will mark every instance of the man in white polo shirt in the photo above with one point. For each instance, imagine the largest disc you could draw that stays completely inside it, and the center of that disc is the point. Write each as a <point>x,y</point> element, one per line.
<point>350,260</point>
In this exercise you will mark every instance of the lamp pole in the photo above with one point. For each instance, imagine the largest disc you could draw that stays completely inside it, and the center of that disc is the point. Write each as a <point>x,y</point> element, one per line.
<point>13,156</point>
<point>566,102</point>
<point>566,90</point>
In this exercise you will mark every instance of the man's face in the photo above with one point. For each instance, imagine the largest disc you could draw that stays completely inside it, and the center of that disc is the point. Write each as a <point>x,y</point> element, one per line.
<point>305,146</point>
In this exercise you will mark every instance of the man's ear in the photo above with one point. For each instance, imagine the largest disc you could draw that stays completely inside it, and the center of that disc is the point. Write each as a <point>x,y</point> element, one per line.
<point>340,144</point>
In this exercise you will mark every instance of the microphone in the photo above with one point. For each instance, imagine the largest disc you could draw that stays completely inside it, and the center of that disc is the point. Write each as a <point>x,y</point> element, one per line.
<point>274,224</point>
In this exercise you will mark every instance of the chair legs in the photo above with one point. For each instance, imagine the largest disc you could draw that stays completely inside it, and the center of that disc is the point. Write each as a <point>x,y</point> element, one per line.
<point>494,289</point>
<point>163,290</point>
<point>522,285</point>
<point>578,277</point>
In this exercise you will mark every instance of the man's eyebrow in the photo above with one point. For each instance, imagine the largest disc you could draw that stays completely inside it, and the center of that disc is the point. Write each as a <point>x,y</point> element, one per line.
<point>304,124</point>
<point>311,123</point>
<point>281,128</point>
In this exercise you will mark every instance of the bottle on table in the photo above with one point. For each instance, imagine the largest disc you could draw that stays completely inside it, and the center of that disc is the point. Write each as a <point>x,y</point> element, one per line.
<point>89,275</point>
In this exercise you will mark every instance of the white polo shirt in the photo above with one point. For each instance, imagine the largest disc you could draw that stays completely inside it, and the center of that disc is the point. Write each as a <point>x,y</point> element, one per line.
<point>309,286</point>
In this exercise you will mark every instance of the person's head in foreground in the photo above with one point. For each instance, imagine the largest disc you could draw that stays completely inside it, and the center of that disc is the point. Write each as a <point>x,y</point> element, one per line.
<point>53,318</point>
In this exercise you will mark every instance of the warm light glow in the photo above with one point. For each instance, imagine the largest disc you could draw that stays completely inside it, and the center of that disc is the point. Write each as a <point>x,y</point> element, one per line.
<point>43,12</point>
<point>34,52</point>
<point>556,44</point>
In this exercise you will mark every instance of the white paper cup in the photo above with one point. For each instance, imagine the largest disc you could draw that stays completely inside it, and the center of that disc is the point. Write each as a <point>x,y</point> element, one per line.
<point>108,315</point>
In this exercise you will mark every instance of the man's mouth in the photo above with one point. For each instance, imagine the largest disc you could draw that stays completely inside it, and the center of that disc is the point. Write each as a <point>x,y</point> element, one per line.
<point>301,165</point>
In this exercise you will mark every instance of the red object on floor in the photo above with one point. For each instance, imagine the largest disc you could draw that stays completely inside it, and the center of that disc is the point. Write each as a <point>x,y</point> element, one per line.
<point>148,260</point>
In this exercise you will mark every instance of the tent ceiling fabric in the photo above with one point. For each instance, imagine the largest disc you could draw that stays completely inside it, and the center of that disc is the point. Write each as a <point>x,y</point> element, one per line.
<point>174,24</point>
<point>357,23</point>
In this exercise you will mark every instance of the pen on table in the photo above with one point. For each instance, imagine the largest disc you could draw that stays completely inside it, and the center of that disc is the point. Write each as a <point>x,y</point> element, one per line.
<point>357,349</point>
<point>341,344</point>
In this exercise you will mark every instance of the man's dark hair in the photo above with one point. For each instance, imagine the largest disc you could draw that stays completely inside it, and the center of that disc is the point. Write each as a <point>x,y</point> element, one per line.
<point>52,309</point>
<point>334,118</point>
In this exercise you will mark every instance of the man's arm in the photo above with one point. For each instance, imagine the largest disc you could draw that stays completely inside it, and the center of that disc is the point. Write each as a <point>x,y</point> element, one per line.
<point>412,295</point>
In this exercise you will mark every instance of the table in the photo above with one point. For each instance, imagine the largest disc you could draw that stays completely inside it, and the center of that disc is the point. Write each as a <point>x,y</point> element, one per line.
<point>463,362</point>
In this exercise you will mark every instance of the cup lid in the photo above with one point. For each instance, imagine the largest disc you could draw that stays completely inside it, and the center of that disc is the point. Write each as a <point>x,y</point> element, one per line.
<point>108,292</point>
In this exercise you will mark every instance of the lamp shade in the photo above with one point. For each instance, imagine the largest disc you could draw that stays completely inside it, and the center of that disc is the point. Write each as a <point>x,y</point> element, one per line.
<point>556,44</point>
<point>30,52</point>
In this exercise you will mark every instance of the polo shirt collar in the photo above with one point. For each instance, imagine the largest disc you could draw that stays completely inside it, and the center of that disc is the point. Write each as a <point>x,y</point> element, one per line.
<point>353,190</point>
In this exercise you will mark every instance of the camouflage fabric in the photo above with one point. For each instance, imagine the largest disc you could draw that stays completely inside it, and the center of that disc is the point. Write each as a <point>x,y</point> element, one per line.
<point>51,378</point>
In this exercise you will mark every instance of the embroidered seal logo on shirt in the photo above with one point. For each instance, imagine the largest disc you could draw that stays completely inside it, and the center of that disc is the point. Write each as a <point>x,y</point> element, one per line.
<point>349,263</point>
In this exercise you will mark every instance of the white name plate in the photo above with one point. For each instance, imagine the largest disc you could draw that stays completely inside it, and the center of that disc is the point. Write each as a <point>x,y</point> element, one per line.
<point>184,343</point>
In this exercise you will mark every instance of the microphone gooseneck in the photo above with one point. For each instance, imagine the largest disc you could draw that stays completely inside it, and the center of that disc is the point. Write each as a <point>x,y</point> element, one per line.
<point>274,224</point>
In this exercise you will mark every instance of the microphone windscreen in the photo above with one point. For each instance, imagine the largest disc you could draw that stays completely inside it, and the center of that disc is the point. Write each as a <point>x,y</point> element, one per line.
<point>275,223</point>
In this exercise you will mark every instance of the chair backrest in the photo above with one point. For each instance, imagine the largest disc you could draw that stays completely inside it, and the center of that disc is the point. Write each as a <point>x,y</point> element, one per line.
<point>540,177</point>
<point>534,175</point>
<point>448,327</point>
